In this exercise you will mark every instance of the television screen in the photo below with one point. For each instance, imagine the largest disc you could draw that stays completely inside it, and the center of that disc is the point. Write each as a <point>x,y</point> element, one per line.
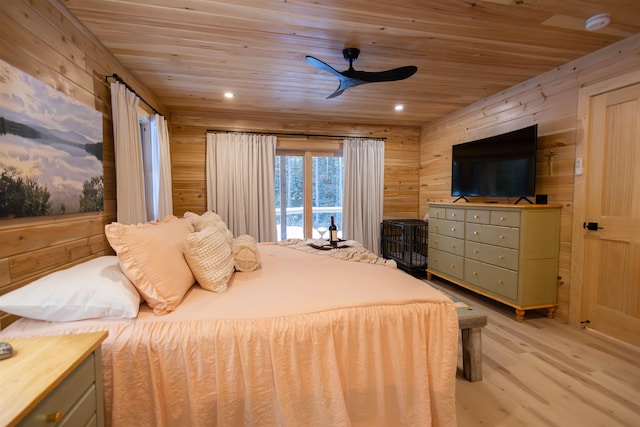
<point>498,166</point>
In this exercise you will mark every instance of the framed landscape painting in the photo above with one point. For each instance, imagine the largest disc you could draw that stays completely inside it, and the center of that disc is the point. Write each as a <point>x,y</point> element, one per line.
<point>50,150</point>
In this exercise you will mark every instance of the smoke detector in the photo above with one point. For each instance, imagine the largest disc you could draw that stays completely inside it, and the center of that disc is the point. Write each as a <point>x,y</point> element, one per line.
<point>597,22</point>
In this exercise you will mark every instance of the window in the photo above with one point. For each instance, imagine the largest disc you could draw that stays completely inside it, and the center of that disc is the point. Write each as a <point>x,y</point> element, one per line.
<point>150,161</point>
<point>147,164</point>
<point>309,187</point>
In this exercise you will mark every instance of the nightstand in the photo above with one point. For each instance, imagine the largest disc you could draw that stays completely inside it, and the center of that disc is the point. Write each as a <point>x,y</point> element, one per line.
<point>53,380</point>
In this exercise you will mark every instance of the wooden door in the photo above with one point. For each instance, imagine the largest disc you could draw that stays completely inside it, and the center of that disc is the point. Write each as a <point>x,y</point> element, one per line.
<point>611,268</point>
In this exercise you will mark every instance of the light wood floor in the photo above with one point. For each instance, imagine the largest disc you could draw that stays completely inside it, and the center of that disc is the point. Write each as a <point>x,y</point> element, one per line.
<point>543,372</point>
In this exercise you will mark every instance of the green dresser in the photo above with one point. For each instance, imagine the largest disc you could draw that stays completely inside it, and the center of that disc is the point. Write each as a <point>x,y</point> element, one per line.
<point>506,252</point>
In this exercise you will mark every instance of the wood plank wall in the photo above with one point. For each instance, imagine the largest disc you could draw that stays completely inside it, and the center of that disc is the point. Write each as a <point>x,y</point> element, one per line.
<point>188,140</point>
<point>551,101</point>
<point>44,40</point>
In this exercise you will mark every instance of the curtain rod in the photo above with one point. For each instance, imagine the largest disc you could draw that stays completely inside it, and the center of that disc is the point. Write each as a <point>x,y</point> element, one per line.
<point>307,135</point>
<point>121,80</point>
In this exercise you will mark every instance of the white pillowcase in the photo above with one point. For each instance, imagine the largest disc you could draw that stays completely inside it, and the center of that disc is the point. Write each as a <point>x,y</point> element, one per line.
<point>96,288</point>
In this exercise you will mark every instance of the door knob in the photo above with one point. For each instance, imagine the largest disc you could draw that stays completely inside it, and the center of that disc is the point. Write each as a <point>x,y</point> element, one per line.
<point>591,226</point>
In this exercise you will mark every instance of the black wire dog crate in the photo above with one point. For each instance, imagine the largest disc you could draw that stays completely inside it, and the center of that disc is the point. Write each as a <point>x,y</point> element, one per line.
<point>407,242</point>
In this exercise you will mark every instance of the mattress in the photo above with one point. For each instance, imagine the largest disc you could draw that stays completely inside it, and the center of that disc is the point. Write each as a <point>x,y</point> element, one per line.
<point>304,340</point>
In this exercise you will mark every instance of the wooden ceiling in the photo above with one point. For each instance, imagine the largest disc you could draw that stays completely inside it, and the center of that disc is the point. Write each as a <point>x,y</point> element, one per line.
<point>189,52</point>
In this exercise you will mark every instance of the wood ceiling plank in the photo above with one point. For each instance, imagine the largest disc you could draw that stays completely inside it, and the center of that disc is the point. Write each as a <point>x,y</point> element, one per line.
<point>188,52</point>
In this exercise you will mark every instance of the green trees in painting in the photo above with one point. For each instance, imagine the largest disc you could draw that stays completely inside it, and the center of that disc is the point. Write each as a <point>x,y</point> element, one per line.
<point>22,197</point>
<point>92,197</point>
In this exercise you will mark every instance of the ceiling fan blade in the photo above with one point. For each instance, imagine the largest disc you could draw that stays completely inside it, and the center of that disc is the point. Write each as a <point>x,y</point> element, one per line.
<point>323,66</point>
<point>400,73</point>
<point>346,83</point>
<point>351,77</point>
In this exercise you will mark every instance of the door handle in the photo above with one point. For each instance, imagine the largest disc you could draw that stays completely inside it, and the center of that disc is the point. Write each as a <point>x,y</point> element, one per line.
<point>591,226</point>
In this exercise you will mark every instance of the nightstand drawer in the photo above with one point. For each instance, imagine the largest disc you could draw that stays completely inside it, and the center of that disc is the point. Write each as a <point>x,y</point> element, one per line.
<point>72,398</point>
<point>83,411</point>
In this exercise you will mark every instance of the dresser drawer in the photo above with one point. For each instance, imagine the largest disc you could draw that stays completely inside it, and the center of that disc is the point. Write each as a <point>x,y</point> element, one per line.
<point>480,216</point>
<point>446,263</point>
<point>493,235</point>
<point>437,213</point>
<point>447,244</point>
<point>505,218</point>
<point>446,228</point>
<point>455,214</point>
<point>496,280</point>
<point>495,255</point>
<point>74,398</point>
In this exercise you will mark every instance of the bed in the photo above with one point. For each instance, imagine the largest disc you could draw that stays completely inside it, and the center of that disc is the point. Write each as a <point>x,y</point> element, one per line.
<point>303,339</point>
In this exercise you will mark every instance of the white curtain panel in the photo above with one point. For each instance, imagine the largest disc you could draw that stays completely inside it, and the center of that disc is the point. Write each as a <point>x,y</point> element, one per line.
<point>240,182</point>
<point>163,198</point>
<point>130,196</point>
<point>363,191</point>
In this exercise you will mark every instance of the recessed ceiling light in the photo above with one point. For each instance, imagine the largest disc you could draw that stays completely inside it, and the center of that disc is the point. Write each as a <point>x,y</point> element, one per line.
<point>597,22</point>
<point>228,95</point>
<point>399,107</point>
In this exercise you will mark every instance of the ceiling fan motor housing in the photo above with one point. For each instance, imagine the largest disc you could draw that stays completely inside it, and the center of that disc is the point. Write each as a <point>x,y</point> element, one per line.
<point>351,53</point>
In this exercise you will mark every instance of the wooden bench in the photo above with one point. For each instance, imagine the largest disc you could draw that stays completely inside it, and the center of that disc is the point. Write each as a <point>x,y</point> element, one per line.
<point>471,322</point>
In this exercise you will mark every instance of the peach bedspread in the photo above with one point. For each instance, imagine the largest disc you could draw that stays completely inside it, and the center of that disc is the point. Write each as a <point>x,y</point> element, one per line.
<point>305,340</point>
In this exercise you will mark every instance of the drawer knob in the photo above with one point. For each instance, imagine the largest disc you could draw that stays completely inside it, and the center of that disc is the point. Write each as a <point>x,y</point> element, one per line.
<point>475,273</point>
<point>453,229</point>
<point>475,251</point>
<point>500,282</point>
<point>502,237</point>
<point>475,233</point>
<point>453,266</point>
<point>501,257</point>
<point>56,417</point>
<point>476,216</point>
<point>501,218</point>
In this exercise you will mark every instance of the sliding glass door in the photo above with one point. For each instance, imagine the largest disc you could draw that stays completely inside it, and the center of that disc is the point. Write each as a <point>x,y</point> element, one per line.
<point>309,187</point>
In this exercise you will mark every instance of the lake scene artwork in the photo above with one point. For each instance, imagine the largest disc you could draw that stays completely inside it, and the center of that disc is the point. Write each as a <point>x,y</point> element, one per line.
<point>50,150</point>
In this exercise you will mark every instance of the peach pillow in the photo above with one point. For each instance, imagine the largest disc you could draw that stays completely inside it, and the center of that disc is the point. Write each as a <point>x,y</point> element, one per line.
<point>209,256</point>
<point>151,256</point>
<point>245,253</point>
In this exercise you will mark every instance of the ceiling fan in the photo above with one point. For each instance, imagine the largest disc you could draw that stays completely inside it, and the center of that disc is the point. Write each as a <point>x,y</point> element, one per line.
<point>351,77</point>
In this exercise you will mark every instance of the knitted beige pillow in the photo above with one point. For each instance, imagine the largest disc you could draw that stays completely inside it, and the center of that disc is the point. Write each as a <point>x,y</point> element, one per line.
<point>246,255</point>
<point>209,257</point>
<point>209,219</point>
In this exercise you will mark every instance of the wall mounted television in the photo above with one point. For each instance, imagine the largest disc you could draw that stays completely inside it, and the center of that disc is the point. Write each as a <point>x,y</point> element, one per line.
<point>498,166</point>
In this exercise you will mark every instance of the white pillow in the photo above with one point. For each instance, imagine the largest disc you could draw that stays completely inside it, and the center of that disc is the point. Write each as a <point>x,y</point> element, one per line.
<point>96,288</point>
